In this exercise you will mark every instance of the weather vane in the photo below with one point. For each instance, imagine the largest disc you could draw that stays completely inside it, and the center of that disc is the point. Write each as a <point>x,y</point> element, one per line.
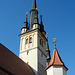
<point>54,41</point>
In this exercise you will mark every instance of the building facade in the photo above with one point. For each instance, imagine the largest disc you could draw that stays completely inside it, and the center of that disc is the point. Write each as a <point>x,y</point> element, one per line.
<point>56,65</point>
<point>33,44</point>
<point>34,56</point>
<point>34,48</point>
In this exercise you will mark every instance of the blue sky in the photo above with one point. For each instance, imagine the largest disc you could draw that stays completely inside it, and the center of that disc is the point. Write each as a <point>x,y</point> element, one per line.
<point>58,20</point>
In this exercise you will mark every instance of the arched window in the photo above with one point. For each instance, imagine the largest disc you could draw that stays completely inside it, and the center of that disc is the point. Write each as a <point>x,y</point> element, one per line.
<point>27,41</point>
<point>30,40</point>
<point>27,52</point>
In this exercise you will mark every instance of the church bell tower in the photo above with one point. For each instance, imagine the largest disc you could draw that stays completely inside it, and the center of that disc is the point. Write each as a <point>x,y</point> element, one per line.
<point>33,44</point>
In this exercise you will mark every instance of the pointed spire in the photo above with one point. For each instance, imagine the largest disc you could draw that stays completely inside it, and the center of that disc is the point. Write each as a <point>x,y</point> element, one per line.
<point>33,12</point>
<point>56,60</point>
<point>41,20</point>
<point>48,52</point>
<point>26,22</point>
<point>41,24</point>
<point>36,19</point>
<point>34,4</point>
<point>26,17</point>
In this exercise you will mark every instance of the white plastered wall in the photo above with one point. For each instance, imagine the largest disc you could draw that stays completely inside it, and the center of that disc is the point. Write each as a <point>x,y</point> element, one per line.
<point>34,49</point>
<point>56,70</point>
<point>31,59</point>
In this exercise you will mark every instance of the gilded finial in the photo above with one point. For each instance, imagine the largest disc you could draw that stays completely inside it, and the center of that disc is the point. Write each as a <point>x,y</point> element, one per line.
<point>26,13</point>
<point>54,41</point>
<point>26,17</point>
<point>36,8</point>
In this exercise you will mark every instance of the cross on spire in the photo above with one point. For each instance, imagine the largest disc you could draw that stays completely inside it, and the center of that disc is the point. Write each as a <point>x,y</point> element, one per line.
<point>54,41</point>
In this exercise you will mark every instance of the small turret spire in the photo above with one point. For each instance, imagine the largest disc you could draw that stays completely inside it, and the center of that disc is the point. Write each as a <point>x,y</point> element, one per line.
<point>26,22</point>
<point>26,16</point>
<point>41,20</point>
<point>25,26</point>
<point>48,53</point>
<point>41,24</point>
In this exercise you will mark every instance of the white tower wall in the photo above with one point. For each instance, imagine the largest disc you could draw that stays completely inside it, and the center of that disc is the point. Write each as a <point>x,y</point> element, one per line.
<point>34,52</point>
<point>57,70</point>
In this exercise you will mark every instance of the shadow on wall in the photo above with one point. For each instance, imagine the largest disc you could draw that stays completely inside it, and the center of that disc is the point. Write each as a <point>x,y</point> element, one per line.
<point>39,72</point>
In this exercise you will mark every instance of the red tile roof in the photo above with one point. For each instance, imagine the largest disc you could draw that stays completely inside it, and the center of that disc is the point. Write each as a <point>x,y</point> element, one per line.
<point>56,60</point>
<point>12,63</point>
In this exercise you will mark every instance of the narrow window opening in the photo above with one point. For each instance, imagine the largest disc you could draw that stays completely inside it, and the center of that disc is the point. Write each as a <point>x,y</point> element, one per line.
<point>27,52</point>
<point>27,41</point>
<point>30,40</point>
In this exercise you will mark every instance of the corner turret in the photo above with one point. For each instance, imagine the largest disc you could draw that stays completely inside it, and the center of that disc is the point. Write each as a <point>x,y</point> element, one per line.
<point>56,65</point>
<point>25,27</point>
<point>42,26</point>
<point>48,54</point>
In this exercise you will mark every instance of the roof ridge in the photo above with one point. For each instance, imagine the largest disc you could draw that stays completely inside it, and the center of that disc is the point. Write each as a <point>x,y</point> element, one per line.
<point>13,53</point>
<point>54,57</point>
<point>9,57</point>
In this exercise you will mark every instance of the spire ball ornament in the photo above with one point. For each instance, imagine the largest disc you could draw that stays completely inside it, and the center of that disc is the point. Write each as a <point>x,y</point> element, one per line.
<point>36,8</point>
<point>26,13</point>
